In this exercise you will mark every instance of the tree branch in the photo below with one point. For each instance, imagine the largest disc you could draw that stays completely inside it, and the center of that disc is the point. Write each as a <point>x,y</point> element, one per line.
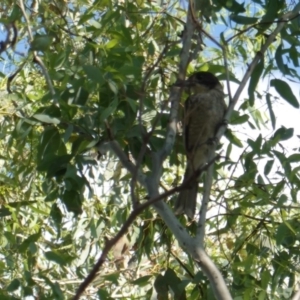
<point>215,277</point>
<point>175,93</point>
<point>200,234</point>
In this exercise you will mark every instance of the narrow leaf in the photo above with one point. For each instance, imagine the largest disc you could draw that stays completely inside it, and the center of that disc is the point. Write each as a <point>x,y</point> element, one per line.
<point>279,60</point>
<point>254,80</point>
<point>94,74</point>
<point>14,285</point>
<point>268,166</point>
<point>284,90</point>
<point>243,20</point>
<point>233,139</point>
<point>271,112</point>
<point>46,119</point>
<point>111,43</point>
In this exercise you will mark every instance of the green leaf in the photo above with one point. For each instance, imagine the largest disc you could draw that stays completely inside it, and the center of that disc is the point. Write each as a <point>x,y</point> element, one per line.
<point>161,287</point>
<point>283,134</point>
<point>73,201</point>
<point>142,281</point>
<point>285,235</point>
<point>49,143</point>
<point>255,145</point>
<point>46,119</point>
<point>284,90</point>
<point>111,43</point>
<point>57,292</point>
<point>59,257</point>
<point>103,294</point>
<point>254,80</point>
<point>81,97</point>
<point>268,167</point>
<point>243,20</point>
<point>113,277</point>
<point>271,112</point>
<point>14,285</point>
<point>54,165</point>
<point>56,214</point>
<point>41,43</point>
<point>93,73</point>
<point>31,239</point>
<point>233,139</point>
<point>294,158</point>
<point>68,133</point>
<point>109,110</point>
<point>272,8</point>
<point>4,212</point>
<point>278,189</point>
<point>113,86</point>
<point>133,104</point>
<point>239,119</point>
<point>282,200</point>
<point>279,60</point>
<point>294,55</point>
<point>51,111</point>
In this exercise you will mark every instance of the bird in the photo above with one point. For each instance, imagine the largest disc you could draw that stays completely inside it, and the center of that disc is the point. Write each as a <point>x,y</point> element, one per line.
<point>204,111</point>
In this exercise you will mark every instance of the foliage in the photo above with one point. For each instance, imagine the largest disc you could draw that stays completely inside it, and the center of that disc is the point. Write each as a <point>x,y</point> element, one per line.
<point>110,66</point>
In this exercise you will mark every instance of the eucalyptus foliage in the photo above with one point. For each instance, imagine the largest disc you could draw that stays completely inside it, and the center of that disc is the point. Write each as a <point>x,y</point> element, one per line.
<point>76,74</point>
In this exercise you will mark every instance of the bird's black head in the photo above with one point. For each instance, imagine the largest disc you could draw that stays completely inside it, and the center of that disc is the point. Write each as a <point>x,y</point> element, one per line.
<point>206,79</point>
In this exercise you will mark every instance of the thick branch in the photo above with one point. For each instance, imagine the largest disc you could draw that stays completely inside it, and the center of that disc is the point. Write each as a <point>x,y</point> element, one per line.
<point>215,277</point>
<point>175,93</point>
<point>204,205</point>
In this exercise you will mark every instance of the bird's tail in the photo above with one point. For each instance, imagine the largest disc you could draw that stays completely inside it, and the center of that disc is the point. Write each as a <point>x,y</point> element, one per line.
<point>186,201</point>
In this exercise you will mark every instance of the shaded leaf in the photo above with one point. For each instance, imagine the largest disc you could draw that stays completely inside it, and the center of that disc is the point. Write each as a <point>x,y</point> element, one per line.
<point>294,158</point>
<point>46,119</point>
<point>283,134</point>
<point>233,139</point>
<point>271,112</point>
<point>279,60</point>
<point>142,281</point>
<point>243,20</point>
<point>284,90</point>
<point>254,80</point>
<point>14,285</point>
<point>58,257</point>
<point>94,74</point>
<point>268,166</point>
<point>41,42</point>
